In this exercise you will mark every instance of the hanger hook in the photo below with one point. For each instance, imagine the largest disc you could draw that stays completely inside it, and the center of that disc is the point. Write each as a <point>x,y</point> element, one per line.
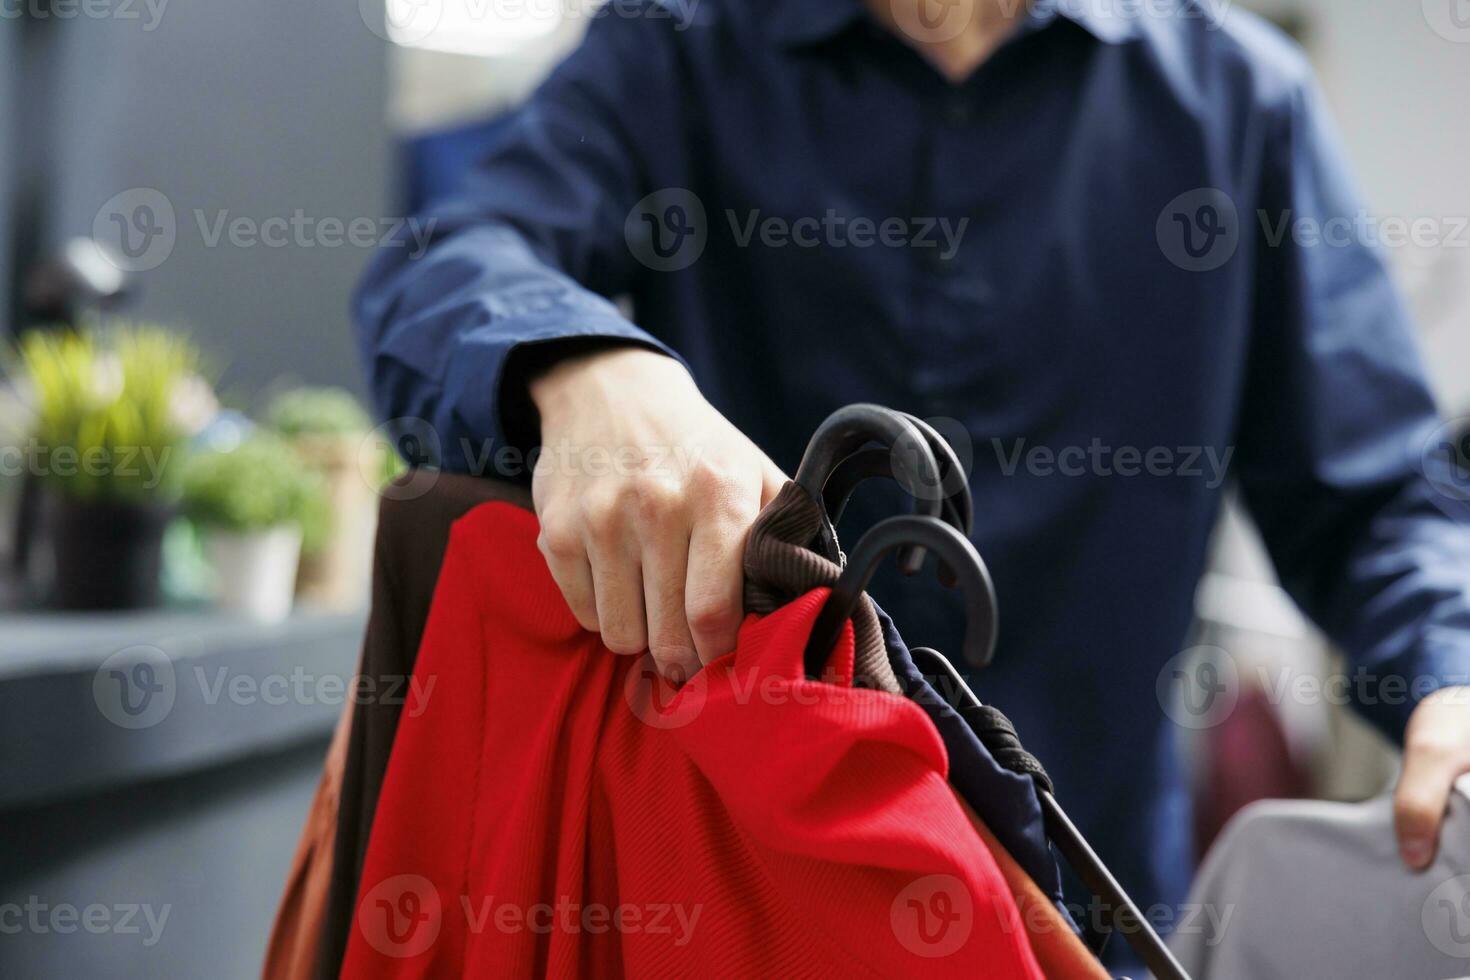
<point>949,546</point>
<point>913,466</point>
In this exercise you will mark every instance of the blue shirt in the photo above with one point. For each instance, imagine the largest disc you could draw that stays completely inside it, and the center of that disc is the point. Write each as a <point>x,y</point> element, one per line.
<point>1096,255</point>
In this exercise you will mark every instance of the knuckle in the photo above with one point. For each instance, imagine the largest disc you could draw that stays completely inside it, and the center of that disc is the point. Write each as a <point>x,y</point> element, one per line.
<point>622,632</point>
<point>709,616</point>
<point>732,506</point>
<point>671,648</point>
<point>602,513</point>
<point>559,541</point>
<point>657,499</point>
<point>711,480</point>
<point>1438,746</point>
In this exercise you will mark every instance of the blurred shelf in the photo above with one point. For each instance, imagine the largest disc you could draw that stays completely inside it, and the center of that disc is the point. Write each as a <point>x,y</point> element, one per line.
<point>92,701</point>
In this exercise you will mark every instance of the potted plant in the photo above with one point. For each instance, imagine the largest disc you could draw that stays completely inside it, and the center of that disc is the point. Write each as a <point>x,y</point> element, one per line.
<point>112,407</point>
<point>328,428</point>
<point>250,503</point>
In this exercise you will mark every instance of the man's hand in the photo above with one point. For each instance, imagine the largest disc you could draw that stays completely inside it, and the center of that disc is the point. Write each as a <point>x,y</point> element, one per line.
<point>1436,750</point>
<point>645,494</point>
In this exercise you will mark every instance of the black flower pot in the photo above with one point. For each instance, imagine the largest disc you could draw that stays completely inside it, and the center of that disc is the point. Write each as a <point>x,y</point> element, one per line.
<point>109,553</point>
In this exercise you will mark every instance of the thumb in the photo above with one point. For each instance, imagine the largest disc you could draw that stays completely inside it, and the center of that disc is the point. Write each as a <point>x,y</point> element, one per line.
<point>1420,800</point>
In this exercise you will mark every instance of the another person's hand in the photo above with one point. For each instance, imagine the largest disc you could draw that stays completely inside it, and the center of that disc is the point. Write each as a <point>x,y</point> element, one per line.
<point>1436,751</point>
<point>645,494</point>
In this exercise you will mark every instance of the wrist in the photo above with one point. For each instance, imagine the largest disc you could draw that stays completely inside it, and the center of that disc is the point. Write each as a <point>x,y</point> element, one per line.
<point>603,376</point>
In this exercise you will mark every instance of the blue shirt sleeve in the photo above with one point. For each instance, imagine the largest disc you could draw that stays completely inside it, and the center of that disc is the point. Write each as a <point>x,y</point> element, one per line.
<point>523,254</point>
<point>1340,449</point>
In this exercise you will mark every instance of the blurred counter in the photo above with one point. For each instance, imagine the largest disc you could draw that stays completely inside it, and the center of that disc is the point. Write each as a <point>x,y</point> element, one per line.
<point>156,770</point>
<point>90,701</point>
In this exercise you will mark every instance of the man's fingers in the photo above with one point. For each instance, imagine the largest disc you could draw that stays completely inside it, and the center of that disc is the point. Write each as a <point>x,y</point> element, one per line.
<point>651,559</point>
<point>566,557</point>
<point>1421,797</point>
<point>617,580</point>
<point>665,560</point>
<point>712,595</point>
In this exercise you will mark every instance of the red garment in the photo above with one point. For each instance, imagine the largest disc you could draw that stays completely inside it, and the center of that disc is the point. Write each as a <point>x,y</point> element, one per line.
<point>551,813</point>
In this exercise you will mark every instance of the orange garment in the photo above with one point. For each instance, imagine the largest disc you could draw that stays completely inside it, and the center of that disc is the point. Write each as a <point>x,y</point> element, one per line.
<point>291,953</point>
<point>1059,951</point>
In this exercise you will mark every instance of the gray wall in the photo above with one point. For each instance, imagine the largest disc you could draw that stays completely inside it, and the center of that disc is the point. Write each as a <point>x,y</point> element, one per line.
<point>258,108</point>
<point>9,137</point>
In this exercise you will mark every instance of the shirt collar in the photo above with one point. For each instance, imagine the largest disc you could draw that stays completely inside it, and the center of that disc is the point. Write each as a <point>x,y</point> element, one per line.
<point>1110,21</point>
<point>801,22</point>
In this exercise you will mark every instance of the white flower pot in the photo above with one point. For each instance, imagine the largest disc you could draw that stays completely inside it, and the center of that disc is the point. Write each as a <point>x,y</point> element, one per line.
<point>255,571</point>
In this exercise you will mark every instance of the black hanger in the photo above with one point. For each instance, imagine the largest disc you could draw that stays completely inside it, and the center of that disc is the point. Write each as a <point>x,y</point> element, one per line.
<point>953,488</point>
<point>958,558</point>
<point>954,549</point>
<point>915,532</point>
<point>957,507</point>
<point>911,458</point>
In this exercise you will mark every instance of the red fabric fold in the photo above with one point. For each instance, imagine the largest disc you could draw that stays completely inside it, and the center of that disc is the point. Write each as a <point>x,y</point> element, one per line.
<point>558,811</point>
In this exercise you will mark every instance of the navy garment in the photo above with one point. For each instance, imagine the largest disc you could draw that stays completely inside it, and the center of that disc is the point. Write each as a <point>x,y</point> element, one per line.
<point>435,160</point>
<point>1113,317</point>
<point>1005,800</point>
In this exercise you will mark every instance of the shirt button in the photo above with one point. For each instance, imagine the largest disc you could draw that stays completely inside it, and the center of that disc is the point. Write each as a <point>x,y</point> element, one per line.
<point>959,112</point>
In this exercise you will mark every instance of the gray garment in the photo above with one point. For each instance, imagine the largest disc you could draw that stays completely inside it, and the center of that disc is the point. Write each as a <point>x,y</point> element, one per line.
<point>1305,889</point>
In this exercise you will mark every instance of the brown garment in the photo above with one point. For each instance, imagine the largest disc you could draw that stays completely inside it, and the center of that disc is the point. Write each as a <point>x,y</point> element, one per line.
<point>780,566</point>
<point>414,519</point>
<point>292,951</point>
